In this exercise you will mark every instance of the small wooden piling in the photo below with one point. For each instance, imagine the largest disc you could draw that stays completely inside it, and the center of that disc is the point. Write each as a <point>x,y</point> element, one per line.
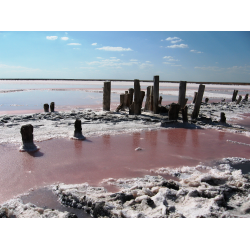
<point>132,109</point>
<point>206,100</point>
<point>27,139</point>
<point>122,99</point>
<point>146,107</point>
<point>78,128</point>
<point>126,104</point>
<point>184,112</point>
<point>195,96</point>
<point>156,95</point>
<point>142,94</point>
<point>46,107</point>
<point>137,98</point>
<point>198,101</point>
<point>160,100</point>
<point>131,94</point>
<point>52,107</point>
<point>240,98</point>
<point>234,95</point>
<point>222,117</point>
<point>151,99</point>
<point>246,97</point>
<point>173,111</point>
<point>182,93</point>
<point>106,96</point>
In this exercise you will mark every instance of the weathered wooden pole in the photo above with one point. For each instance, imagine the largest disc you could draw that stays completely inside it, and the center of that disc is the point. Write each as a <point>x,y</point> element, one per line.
<point>206,100</point>
<point>131,93</point>
<point>46,107</point>
<point>156,94</point>
<point>78,130</point>
<point>184,112</point>
<point>246,97</point>
<point>122,98</point>
<point>27,139</point>
<point>52,107</point>
<point>160,100</point>
<point>126,100</point>
<point>222,117</point>
<point>173,111</point>
<point>198,101</point>
<point>182,93</point>
<point>195,96</point>
<point>238,101</point>
<point>234,95</point>
<point>142,94</point>
<point>146,107</point>
<point>106,96</point>
<point>137,98</point>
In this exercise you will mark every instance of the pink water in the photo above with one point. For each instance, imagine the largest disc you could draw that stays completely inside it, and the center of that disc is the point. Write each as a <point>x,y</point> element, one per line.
<point>71,161</point>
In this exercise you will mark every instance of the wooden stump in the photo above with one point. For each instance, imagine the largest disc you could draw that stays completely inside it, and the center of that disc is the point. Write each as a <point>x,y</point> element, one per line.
<point>46,107</point>
<point>146,107</point>
<point>234,95</point>
<point>222,117</point>
<point>173,111</point>
<point>142,94</point>
<point>238,101</point>
<point>160,100</point>
<point>27,139</point>
<point>122,99</point>
<point>182,93</point>
<point>156,94</point>
<point>206,100</point>
<point>78,130</point>
<point>195,96</point>
<point>246,97</point>
<point>131,95</point>
<point>106,96</point>
<point>132,109</point>
<point>52,107</point>
<point>198,101</point>
<point>151,98</point>
<point>184,112</point>
<point>137,98</point>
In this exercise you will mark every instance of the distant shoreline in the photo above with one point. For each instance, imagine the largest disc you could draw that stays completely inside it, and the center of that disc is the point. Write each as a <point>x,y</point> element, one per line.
<point>120,80</point>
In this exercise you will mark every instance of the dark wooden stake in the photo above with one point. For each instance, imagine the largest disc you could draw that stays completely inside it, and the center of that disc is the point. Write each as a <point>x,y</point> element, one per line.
<point>106,96</point>
<point>173,111</point>
<point>238,101</point>
<point>52,107</point>
<point>184,112</point>
<point>137,98</point>
<point>156,94</point>
<point>198,101</point>
<point>182,93</point>
<point>46,107</point>
<point>222,117</point>
<point>195,96</point>
<point>234,95</point>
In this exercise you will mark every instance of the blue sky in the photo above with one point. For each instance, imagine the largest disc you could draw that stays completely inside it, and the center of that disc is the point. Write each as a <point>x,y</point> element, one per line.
<point>180,55</point>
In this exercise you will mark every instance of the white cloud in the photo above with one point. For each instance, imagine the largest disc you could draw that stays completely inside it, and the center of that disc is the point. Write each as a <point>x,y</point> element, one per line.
<point>195,51</point>
<point>94,44</point>
<point>148,62</point>
<point>176,41</point>
<point>145,65</point>
<point>73,44</point>
<point>172,38</point>
<point>64,38</point>
<point>109,48</point>
<point>167,63</point>
<point>175,65</point>
<point>178,46</point>
<point>51,37</point>
<point>167,57</point>
<point>112,57</point>
<point>170,59</point>
<point>133,60</point>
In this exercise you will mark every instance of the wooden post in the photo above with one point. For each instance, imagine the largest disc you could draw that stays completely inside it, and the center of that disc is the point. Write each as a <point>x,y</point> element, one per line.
<point>122,98</point>
<point>137,98</point>
<point>52,107</point>
<point>222,117</point>
<point>27,139</point>
<point>195,96</point>
<point>151,98</point>
<point>156,94</point>
<point>132,109</point>
<point>234,95</point>
<point>246,97</point>
<point>182,93</point>
<point>206,100</point>
<point>198,101</point>
<point>184,112</point>
<point>106,96</point>
<point>238,101</point>
<point>131,93</point>
<point>160,100</point>
<point>142,94</point>
<point>146,107</point>
<point>173,111</point>
<point>126,99</point>
<point>46,107</point>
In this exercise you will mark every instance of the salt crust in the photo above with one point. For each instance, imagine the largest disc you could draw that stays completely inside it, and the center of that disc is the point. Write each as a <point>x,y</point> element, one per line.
<point>202,191</point>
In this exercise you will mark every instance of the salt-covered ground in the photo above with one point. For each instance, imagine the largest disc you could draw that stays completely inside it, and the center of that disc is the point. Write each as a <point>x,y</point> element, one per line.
<point>201,191</point>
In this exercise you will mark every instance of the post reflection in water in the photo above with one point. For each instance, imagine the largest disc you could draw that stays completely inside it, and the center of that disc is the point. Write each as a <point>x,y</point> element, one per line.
<point>151,138</point>
<point>136,139</point>
<point>177,137</point>
<point>106,140</point>
<point>78,147</point>
<point>221,135</point>
<point>195,138</point>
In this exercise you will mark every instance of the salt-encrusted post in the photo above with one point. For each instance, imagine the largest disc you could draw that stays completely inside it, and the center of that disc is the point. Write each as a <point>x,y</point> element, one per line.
<point>238,101</point>
<point>46,107</point>
<point>156,94</point>
<point>106,96</point>
<point>184,112</point>
<point>142,94</point>
<point>246,97</point>
<point>27,138</point>
<point>131,93</point>
<point>234,95</point>
<point>195,96</point>
<point>52,107</point>
<point>147,99</point>
<point>137,98</point>
<point>173,111</point>
<point>198,101</point>
<point>182,93</point>
<point>78,130</point>
<point>122,98</point>
<point>222,117</point>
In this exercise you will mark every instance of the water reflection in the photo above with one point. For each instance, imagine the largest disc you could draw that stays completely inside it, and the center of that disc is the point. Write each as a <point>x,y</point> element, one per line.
<point>106,140</point>
<point>195,138</point>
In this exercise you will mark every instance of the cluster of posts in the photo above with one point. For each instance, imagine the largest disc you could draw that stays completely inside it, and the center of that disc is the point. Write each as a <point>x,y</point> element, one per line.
<point>46,107</point>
